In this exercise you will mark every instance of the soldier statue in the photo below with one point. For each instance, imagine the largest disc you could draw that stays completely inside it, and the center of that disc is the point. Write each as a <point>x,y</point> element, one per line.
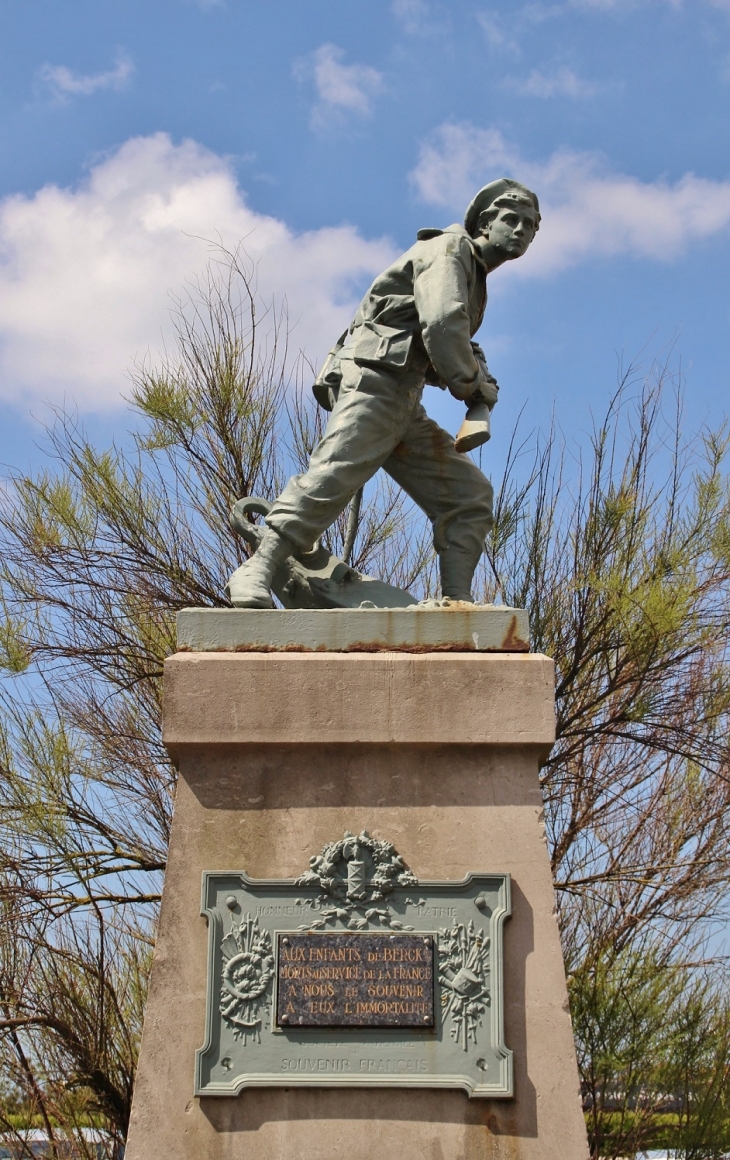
<point>413,327</point>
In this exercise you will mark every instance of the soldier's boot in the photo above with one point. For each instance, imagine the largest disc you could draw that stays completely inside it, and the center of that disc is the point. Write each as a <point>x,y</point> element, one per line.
<point>250,585</point>
<point>457,571</point>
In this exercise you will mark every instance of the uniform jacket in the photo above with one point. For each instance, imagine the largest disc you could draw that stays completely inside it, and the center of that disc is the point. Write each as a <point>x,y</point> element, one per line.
<point>437,292</point>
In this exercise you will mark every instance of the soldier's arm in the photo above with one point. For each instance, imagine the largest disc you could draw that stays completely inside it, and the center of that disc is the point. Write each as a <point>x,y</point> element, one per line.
<point>441,293</point>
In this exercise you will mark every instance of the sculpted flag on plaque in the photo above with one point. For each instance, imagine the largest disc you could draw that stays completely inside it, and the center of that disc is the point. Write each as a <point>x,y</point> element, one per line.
<point>355,974</point>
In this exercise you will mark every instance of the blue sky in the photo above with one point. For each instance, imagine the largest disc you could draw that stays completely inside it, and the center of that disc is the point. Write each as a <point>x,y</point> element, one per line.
<point>326,133</point>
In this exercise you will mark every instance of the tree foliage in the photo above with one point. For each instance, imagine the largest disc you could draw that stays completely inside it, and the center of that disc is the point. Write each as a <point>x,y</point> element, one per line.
<point>625,568</point>
<point>653,1042</point>
<point>622,556</point>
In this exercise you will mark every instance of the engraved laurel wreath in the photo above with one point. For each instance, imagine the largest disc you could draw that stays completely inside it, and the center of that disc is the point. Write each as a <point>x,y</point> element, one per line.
<point>355,876</point>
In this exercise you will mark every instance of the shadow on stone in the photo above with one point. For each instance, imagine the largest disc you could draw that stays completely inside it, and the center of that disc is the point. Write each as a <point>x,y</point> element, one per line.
<point>285,777</point>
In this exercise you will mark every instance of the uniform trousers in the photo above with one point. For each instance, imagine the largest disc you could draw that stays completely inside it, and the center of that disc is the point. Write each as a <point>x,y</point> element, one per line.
<point>378,421</point>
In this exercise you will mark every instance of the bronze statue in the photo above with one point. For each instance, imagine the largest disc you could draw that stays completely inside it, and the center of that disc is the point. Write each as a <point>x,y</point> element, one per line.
<point>413,327</point>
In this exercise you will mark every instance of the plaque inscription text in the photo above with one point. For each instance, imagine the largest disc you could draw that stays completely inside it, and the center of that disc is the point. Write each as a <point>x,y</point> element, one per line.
<point>358,980</point>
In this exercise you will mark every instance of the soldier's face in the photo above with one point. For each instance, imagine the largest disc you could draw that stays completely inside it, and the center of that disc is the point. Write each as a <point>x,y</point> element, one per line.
<point>511,232</point>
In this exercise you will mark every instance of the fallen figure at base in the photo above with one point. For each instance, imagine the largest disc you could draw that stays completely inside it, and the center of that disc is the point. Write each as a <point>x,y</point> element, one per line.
<point>414,327</point>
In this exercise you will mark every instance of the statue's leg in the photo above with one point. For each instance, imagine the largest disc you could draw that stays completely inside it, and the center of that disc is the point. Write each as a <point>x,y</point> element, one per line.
<point>250,585</point>
<point>453,493</point>
<point>371,413</point>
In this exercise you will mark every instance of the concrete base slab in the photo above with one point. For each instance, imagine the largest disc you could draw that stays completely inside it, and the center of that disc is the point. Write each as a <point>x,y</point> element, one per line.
<point>268,776</point>
<point>457,627</point>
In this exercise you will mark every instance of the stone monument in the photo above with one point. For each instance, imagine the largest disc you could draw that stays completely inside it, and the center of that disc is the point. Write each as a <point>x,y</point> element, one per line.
<point>358,953</point>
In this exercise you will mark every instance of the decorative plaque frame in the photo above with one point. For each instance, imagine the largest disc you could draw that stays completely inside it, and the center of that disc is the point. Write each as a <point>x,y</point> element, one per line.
<point>358,884</point>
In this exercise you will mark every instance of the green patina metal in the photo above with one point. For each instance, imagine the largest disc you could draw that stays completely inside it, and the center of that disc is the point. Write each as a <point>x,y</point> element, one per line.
<point>356,886</point>
<point>415,326</point>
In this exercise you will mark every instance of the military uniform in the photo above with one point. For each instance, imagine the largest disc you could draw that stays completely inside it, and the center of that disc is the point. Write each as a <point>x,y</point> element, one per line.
<point>414,326</point>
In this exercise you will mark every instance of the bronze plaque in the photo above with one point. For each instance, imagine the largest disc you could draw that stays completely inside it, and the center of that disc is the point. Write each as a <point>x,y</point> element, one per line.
<point>354,980</point>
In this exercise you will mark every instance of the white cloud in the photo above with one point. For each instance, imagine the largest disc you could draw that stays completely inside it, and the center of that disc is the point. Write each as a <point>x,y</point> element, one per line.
<point>493,26</point>
<point>561,83</point>
<point>588,210</point>
<point>417,18</point>
<point>65,83</point>
<point>505,27</point>
<point>341,88</point>
<point>608,5</point>
<point>86,273</point>
<point>446,173</point>
<point>411,13</point>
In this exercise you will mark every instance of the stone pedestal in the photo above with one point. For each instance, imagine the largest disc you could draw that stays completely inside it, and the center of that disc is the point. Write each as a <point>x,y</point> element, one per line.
<point>281,752</point>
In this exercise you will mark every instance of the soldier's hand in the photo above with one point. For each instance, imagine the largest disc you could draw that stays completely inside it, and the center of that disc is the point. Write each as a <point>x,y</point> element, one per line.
<point>487,391</point>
